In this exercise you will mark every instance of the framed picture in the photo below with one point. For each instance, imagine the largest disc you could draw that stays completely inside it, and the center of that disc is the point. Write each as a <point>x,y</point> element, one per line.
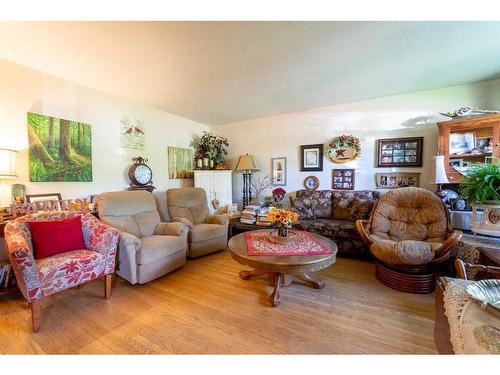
<point>59,150</point>
<point>311,183</point>
<point>49,202</point>
<point>484,144</point>
<point>395,180</point>
<point>132,133</point>
<point>311,157</point>
<point>278,168</point>
<point>343,179</point>
<point>461,143</point>
<point>456,163</point>
<point>400,152</point>
<point>180,162</point>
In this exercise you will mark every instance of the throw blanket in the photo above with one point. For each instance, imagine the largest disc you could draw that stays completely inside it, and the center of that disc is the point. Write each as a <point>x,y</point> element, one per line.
<point>473,331</point>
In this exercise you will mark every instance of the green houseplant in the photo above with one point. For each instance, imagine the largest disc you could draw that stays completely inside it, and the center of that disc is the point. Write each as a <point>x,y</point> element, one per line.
<point>210,147</point>
<point>481,187</point>
<point>482,184</point>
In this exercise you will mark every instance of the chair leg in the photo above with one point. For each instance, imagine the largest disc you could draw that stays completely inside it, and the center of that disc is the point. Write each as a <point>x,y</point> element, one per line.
<point>107,286</point>
<point>36,315</point>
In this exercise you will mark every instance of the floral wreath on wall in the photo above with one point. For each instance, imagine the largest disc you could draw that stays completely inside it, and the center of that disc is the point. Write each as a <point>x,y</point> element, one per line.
<point>344,148</point>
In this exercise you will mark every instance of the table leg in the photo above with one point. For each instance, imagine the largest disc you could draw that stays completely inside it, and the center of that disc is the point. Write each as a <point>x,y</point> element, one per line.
<point>246,275</point>
<point>275,296</point>
<point>309,280</point>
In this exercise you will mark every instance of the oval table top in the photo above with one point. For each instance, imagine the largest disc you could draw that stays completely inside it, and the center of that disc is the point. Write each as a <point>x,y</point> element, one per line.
<point>284,263</point>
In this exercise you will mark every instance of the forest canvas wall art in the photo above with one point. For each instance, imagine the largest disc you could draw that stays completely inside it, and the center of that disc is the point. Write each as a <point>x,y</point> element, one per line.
<point>180,162</point>
<point>59,150</point>
<point>132,133</point>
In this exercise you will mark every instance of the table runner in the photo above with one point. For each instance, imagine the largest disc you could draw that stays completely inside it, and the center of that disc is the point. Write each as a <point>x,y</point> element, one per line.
<point>304,243</point>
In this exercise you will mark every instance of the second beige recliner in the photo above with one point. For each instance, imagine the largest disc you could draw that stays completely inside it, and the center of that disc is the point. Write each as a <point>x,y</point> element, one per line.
<point>207,233</point>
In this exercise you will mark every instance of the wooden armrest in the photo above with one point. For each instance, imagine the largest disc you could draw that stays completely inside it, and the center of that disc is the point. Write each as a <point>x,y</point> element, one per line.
<point>446,248</point>
<point>461,268</point>
<point>360,227</point>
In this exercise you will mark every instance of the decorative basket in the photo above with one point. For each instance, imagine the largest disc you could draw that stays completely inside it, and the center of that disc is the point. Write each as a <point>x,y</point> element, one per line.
<point>278,240</point>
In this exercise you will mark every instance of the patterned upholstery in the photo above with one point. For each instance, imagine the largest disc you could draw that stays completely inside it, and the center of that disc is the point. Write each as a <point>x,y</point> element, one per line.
<point>329,227</point>
<point>43,277</point>
<point>353,205</point>
<point>319,201</point>
<point>333,214</point>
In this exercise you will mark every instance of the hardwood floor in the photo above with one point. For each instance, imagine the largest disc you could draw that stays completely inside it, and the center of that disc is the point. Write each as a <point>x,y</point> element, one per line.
<point>206,308</point>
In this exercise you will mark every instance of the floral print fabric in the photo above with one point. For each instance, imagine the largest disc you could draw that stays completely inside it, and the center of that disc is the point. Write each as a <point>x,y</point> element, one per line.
<point>319,201</point>
<point>38,279</point>
<point>353,205</point>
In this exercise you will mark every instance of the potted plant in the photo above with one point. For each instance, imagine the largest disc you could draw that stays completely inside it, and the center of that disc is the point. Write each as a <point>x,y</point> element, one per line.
<point>481,187</point>
<point>210,150</point>
<point>283,220</point>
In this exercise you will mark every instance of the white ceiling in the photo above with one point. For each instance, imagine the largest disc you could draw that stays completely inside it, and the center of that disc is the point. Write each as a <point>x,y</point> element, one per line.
<point>221,72</point>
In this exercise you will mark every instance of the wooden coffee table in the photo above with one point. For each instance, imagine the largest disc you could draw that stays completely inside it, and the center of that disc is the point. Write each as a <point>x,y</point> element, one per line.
<point>282,270</point>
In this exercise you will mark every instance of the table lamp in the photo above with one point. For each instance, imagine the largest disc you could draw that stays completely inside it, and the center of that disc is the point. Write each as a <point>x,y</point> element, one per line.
<point>7,164</point>
<point>247,165</point>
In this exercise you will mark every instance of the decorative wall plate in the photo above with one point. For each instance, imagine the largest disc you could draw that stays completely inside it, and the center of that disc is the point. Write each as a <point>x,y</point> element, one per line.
<point>311,183</point>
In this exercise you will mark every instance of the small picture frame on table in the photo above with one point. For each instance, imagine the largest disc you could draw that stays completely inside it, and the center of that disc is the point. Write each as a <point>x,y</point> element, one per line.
<point>278,168</point>
<point>343,179</point>
<point>311,158</point>
<point>43,201</point>
<point>399,152</point>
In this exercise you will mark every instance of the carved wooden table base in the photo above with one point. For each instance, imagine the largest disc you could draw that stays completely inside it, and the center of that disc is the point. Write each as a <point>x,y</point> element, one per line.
<point>279,280</point>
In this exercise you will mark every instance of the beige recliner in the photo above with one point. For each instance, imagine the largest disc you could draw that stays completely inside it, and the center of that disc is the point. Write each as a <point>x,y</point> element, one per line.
<point>148,248</point>
<point>207,233</point>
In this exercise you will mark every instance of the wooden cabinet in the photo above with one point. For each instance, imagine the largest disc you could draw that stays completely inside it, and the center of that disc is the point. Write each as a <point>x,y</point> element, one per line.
<point>217,184</point>
<point>458,134</point>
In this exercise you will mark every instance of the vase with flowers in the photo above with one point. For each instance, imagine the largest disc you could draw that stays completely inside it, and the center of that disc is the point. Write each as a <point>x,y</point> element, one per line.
<point>283,220</point>
<point>278,197</point>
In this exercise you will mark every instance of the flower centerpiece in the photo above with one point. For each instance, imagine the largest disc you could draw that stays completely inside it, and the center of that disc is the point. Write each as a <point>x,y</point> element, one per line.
<point>278,197</point>
<point>283,219</point>
<point>210,150</point>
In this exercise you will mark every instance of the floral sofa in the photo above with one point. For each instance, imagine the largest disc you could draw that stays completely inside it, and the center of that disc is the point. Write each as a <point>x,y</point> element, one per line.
<point>333,213</point>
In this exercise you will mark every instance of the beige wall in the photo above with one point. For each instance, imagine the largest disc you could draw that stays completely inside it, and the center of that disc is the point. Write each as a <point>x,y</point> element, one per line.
<point>25,90</point>
<point>407,115</point>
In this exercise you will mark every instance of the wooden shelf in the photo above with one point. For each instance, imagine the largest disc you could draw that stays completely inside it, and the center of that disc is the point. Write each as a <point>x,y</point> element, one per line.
<point>470,155</point>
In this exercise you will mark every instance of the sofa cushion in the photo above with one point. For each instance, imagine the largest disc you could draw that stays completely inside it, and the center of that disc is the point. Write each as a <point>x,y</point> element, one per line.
<point>403,252</point>
<point>63,271</point>
<point>329,227</point>
<point>124,223</point>
<point>320,200</point>
<point>353,205</point>
<point>189,203</point>
<point>303,207</point>
<point>147,222</point>
<point>203,232</point>
<point>158,246</point>
<point>56,236</point>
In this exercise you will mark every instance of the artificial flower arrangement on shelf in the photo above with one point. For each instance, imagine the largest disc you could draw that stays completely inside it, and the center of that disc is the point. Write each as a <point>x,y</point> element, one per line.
<point>283,220</point>
<point>210,151</point>
<point>344,148</point>
<point>278,196</point>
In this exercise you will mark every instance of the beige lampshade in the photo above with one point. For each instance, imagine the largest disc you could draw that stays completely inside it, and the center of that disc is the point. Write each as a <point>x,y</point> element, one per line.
<point>246,163</point>
<point>7,163</point>
<point>441,177</point>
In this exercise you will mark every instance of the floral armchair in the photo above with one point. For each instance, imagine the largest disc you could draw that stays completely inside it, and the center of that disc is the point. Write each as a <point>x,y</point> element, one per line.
<point>40,278</point>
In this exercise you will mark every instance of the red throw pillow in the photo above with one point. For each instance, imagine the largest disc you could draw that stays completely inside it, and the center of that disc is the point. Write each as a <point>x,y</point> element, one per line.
<point>55,237</point>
